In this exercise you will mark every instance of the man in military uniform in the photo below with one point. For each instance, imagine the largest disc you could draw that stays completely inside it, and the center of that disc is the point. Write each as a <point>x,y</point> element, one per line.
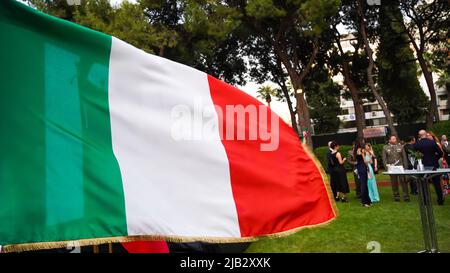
<point>394,154</point>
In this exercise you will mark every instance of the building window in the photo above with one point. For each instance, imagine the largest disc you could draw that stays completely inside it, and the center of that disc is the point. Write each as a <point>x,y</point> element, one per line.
<point>445,112</point>
<point>382,121</point>
<point>443,97</point>
<point>350,124</point>
<point>344,112</point>
<point>375,122</point>
<point>371,108</point>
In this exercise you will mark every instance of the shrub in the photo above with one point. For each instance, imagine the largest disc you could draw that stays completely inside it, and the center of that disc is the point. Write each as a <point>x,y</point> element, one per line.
<point>441,128</point>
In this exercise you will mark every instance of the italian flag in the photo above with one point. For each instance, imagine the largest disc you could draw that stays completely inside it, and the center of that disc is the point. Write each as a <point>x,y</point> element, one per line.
<point>102,142</point>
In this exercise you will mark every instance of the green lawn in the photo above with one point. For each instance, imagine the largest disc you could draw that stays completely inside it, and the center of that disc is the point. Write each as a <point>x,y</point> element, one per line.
<point>379,176</point>
<point>396,226</point>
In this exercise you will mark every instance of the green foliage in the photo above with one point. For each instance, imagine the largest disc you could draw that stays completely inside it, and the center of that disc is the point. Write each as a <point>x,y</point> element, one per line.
<point>56,8</point>
<point>317,12</point>
<point>201,34</point>
<point>266,92</point>
<point>441,128</point>
<point>398,70</point>
<point>263,9</point>
<point>323,99</point>
<point>126,22</point>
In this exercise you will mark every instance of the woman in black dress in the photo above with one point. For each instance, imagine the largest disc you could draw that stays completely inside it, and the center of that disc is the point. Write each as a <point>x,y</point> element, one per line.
<point>361,166</point>
<point>341,182</point>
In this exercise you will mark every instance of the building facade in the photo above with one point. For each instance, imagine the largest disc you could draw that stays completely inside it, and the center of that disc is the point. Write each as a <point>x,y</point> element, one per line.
<point>373,113</point>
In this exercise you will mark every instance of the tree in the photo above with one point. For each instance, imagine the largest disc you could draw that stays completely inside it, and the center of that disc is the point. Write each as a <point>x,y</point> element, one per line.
<point>126,21</point>
<point>347,63</point>
<point>323,100</point>
<point>60,9</point>
<point>266,93</point>
<point>427,20</point>
<point>265,66</point>
<point>397,69</point>
<point>292,28</point>
<point>438,57</point>
<point>208,35</point>
<point>362,27</point>
<point>200,34</point>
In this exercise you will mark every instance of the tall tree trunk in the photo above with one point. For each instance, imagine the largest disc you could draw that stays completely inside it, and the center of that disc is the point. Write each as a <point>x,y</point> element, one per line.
<point>359,110</point>
<point>370,81</point>
<point>285,91</point>
<point>303,116</point>
<point>304,120</point>
<point>433,114</point>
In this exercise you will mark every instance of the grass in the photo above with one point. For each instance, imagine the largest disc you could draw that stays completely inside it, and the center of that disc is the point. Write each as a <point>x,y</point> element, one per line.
<point>379,176</point>
<point>395,225</point>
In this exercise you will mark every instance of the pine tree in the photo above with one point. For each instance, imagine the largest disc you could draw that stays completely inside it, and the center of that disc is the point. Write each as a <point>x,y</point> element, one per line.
<point>398,70</point>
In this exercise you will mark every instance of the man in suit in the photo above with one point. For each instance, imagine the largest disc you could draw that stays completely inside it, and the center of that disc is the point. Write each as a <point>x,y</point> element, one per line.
<point>431,155</point>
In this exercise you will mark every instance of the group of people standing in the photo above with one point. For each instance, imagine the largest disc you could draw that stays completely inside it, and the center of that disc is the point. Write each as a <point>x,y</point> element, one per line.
<point>435,153</point>
<point>365,166</point>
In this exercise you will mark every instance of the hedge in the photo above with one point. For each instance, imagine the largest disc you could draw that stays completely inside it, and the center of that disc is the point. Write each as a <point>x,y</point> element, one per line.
<point>321,154</point>
<point>441,128</point>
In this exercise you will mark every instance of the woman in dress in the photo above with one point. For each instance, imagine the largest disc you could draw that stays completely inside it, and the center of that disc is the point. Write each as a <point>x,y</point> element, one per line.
<point>341,183</point>
<point>361,167</point>
<point>372,166</point>
<point>432,136</point>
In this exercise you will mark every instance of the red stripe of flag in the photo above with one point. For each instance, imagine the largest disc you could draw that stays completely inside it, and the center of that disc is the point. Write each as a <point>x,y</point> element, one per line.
<point>274,191</point>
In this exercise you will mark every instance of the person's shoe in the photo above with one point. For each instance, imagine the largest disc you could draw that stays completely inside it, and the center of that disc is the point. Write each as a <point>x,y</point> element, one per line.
<point>344,200</point>
<point>406,199</point>
<point>440,202</point>
<point>366,205</point>
<point>397,199</point>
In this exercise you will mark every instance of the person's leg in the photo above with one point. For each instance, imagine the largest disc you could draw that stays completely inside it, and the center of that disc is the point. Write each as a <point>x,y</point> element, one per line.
<point>404,188</point>
<point>437,187</point>
<point>357,185</point>
<point>370,190</point>
<point>365,199</point>
<point>394,184</point>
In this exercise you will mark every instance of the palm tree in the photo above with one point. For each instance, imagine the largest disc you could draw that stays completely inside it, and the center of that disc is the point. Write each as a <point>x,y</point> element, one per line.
<point>266,92</point>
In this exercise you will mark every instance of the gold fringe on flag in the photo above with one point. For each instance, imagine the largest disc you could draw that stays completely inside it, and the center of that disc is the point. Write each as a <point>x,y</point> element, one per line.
<point>173,239</point>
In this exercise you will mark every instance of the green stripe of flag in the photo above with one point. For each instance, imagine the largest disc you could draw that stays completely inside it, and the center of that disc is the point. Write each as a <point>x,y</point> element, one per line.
<point>55,137</point>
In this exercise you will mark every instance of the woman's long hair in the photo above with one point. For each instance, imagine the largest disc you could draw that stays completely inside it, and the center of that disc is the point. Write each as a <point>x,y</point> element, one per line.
<point>359,144</point>
<point>370,147</point>
<point>436,140</point>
